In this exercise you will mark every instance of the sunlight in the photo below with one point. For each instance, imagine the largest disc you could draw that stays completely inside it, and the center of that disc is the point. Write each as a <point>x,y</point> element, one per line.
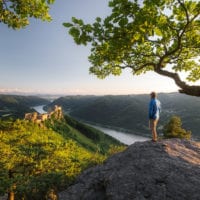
<point>182,151</point>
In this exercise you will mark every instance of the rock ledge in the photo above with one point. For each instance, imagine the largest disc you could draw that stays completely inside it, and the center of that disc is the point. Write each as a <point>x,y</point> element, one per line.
<point>167,170</point>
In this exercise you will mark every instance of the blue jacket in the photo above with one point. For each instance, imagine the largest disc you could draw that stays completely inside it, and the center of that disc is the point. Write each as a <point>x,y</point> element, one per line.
<point>154,109</point>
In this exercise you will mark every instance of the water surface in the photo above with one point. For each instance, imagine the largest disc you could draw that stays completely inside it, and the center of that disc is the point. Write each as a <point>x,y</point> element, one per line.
<point>123,137</point>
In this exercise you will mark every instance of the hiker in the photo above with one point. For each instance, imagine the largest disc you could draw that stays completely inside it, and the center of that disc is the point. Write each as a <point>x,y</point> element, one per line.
<point>154,114</point>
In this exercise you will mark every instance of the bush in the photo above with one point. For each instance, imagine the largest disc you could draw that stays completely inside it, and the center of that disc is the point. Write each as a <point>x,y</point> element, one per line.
<point>173,129</point>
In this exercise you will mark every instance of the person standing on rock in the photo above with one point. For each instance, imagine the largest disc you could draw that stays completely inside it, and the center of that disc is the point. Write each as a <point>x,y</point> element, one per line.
<point>154,114</point>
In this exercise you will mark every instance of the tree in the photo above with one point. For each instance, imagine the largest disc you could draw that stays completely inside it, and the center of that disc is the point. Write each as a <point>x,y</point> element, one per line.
<point>150,35</point>
<point>173,129</point>
<point>16,13</point>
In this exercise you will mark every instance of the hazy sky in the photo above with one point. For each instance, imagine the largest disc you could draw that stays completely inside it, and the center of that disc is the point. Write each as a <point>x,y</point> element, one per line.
<point>43,58</point>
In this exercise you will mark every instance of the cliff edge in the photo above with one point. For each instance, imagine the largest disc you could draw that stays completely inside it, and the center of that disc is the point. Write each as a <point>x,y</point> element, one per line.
<point>167,170</point>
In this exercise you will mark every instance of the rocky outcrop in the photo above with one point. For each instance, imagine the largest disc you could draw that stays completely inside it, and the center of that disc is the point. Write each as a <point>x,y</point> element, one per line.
<point>166,170</point>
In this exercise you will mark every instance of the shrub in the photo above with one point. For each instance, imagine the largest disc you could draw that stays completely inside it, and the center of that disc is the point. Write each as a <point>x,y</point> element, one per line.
<point>173,129</point>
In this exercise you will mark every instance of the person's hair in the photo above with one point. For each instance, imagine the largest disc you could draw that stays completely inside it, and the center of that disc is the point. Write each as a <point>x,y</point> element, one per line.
<point>153,95</point>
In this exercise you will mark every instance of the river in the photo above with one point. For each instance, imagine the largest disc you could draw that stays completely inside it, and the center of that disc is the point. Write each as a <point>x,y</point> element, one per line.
<point>39,109</point>
<point>123,137</point>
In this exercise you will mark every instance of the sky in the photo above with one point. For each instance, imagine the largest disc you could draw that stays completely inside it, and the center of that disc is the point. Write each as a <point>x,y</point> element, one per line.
<point>43,58</point>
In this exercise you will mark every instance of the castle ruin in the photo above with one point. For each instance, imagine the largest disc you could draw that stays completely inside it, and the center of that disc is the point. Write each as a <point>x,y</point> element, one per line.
<point>39,118</point>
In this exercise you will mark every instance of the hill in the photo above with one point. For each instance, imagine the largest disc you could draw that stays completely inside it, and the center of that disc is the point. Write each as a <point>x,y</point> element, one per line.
<point>86,136</point>
<point>169,170</point>
<point>130,112</point>
<point>16,106</point>
<point>73,103</point>
<point>39,160</point>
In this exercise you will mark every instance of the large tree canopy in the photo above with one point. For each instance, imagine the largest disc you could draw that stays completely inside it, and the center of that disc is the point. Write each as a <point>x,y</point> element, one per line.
<point>16,13</point>
<point>150,35</point>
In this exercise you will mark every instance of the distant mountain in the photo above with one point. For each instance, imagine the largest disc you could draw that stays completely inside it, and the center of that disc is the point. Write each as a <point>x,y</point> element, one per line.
<point>73,103</point>
<point>16,106</point>
<point>130,112</point>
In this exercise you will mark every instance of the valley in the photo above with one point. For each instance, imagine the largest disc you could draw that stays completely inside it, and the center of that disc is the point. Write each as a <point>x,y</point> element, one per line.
<point>92,128</point>
<point>130,112</point>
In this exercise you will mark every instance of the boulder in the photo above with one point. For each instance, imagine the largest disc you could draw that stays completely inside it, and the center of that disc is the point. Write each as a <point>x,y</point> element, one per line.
<point>165,170</point>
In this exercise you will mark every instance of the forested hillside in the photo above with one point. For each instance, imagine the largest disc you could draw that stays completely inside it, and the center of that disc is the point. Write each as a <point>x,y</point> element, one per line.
<point>16,106</point>
<point>73,103</point>
<point>130,112</point>
<point>38,161</point>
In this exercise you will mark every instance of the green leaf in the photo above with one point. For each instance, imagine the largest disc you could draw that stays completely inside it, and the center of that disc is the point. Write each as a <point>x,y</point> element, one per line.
<point>16,14</point>
<point>98,19</point>
<point>74,32</point>
<point>123,22</point>
<point>158,32</point>
<point>67,25</point>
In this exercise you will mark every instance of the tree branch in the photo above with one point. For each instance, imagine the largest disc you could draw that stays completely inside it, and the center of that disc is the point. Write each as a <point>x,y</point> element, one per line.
<point>185,9</point>
<point>192,90</point>
<point>180,33</point>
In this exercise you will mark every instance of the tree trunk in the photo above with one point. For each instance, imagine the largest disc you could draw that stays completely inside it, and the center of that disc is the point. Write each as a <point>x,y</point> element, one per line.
<point>11,195</point>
